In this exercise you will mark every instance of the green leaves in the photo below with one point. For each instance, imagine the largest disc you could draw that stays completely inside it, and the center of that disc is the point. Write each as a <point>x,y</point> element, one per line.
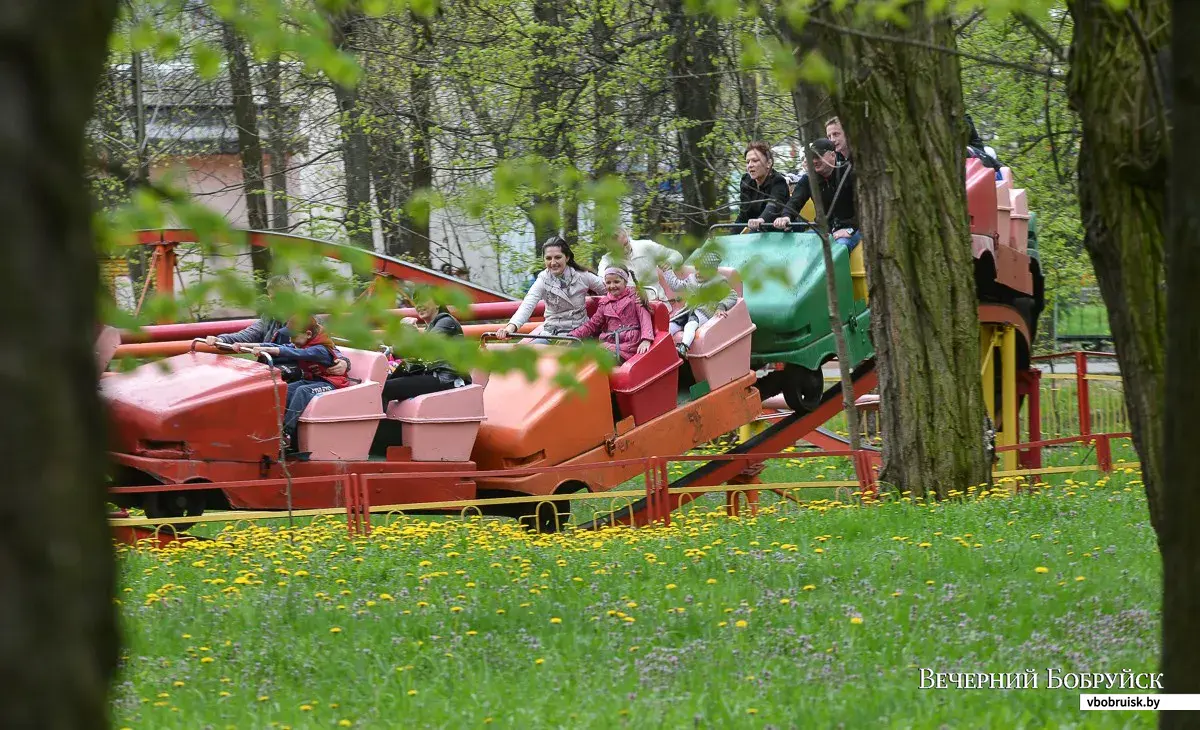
<point>207,60</point>
<point>816,70</point>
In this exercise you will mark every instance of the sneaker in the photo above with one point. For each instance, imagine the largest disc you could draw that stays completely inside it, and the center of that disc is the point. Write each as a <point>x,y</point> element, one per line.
<point>682,349</point>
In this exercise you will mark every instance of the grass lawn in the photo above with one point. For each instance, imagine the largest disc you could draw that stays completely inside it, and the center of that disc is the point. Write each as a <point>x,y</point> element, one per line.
<point>1083,319</point>
<point>813,616</point>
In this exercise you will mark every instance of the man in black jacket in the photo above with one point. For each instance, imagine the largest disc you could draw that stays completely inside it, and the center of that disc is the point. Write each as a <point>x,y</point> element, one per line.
<point>836,180</point>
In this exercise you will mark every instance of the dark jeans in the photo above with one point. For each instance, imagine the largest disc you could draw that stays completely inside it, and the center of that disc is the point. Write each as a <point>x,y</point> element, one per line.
<point>300,393</point>
<point>402,387</point>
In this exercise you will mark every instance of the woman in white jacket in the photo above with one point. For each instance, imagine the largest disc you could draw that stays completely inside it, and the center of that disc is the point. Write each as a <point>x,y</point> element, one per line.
<point>564,286</point>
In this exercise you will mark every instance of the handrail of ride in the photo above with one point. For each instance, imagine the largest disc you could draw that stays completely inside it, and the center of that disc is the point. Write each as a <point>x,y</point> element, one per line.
<point>795,227</point>
<point>236,348</point>
<point>225,346</point>
<point>483,338</point>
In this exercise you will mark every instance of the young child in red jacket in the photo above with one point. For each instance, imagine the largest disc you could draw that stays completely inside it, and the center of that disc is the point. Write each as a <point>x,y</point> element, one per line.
<point>621,322</point>
<point>313,354</point>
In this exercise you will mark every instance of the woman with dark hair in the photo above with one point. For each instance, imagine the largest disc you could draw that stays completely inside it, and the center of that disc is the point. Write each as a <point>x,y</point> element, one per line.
<point>761,185</point>
<point>564,286</point>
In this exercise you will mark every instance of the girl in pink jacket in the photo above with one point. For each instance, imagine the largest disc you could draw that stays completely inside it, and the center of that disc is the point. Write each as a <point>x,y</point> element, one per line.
<point>621,322</point>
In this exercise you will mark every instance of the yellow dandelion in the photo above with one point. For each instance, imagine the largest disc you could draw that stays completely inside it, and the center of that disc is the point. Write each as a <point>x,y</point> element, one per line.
<point>741,624</point>
<point>539,662</point>
<point>556,620</point>
<point>810,587</point>
<point>344,723</point>
<point>711,581</point>
<point>206,660</point>
<point>1079,578</point>
<point>856,620</point>
<point>306,708</point>
<point>335,630</point>
<point>1041,569</point>
<point>412,693</point>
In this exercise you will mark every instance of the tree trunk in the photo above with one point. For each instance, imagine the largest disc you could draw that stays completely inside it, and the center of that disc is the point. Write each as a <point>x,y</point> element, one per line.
<point>422,141</point>
<point>697,91</point>
<point>604,120</point>
<point>546,78</point>
<point>901,106</point>
<point>1122,193</point>
<point>647,214</point>
<point>356,153</point>
<point>278,141</point>
<point>60,640</point>
<point>390,172</point>
<point>245,117</point>
<point>137,256</point>
<point>811,102</point>
<point>1179,538</point>
<point>570,200</point>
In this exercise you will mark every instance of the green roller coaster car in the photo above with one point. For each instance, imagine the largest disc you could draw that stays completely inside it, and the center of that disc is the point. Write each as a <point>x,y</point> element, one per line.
<point>783,277</point>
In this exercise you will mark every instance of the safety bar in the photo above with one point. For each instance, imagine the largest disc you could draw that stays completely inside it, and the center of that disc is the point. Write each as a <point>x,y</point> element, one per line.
<point>531,336</point>
<point>796,226</point>
<point>225,346</point>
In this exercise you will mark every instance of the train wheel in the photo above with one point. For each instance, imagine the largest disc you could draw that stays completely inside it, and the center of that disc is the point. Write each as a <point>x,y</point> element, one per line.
<point>546,517</point>
<point>802,388</point>
<point>172,505</point>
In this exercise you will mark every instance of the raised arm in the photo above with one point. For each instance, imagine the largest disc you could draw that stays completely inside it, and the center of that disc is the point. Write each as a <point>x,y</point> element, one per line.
<point>590,328</point>
<point>645,323</point>
<point>730,299</point>
<point>253,333</point>
<point>314,353</point>
<point>665,253</point>
<point>595,283</point>
<point>777,194</point>
<point>793,205</point>
<point>532,297</point>
<point>674,282</point>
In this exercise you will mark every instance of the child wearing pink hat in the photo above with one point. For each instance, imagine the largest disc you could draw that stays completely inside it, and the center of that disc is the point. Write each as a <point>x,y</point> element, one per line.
<point>621,322</point>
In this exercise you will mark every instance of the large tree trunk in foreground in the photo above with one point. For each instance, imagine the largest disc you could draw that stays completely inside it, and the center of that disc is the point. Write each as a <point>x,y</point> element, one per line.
<point>245,117</point>
<point>1122,189</point>
<point>901,106</point>
<point>1179,538</point>
<point>59,644</point>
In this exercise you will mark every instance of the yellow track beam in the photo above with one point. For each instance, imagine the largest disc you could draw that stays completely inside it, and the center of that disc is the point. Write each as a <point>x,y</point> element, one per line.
<point>987,342</point>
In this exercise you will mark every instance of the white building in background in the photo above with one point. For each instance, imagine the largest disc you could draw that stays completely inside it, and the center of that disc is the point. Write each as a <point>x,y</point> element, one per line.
<point>190,129</point>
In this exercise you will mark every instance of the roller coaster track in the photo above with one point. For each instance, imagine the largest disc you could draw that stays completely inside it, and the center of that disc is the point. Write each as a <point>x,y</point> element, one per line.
<point>775,438</point>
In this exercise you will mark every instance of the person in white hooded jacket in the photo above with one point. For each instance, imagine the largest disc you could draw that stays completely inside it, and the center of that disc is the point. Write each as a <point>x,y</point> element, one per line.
<point>643,258</point>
